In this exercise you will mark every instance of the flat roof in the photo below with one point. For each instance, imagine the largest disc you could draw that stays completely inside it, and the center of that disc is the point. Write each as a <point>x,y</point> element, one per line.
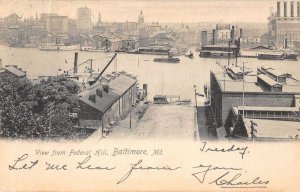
<point>273,128</point>
<point>228,84</point>
<point>250,86</point>
<point>263,108</point>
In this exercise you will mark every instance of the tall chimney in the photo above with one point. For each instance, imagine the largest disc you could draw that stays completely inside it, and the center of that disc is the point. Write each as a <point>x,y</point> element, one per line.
<point>285,9</point>
<point>213,36</point>
<point>278,8</point>
<point>292,8</point>
<point>232,34</point>
<point>0,63</point>
<point>241,33</point>
<point>76,63</point>
<point>298,9</point>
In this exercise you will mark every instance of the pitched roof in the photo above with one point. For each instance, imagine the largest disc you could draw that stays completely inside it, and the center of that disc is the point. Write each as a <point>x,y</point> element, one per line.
<point>15,71</point>
<point>121,84</point>
<point>101,103</point>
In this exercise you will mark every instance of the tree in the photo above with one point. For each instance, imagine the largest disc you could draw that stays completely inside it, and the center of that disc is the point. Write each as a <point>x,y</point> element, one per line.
<point>26,112</point>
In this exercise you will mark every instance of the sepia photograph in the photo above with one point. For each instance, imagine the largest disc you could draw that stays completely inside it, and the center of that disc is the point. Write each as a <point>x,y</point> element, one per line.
<point>137,95</point>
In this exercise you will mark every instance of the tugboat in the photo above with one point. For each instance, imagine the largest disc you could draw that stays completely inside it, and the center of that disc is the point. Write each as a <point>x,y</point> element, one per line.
<point>189,55</point>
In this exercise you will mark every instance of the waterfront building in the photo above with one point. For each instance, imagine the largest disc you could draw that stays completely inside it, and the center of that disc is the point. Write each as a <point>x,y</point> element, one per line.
<point>107,102</point>
<point>249,42</point>
<point>284,24</point>
<point>84,22</point>
<point>268,88</point>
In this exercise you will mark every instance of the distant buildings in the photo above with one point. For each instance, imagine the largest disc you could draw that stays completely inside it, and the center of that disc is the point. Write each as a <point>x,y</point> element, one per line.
<point>284,24</point>
<point>55,23</point>
<point>84,22</point>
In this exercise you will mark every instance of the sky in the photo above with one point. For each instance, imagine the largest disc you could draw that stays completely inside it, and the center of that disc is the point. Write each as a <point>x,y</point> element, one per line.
<point>163,11</point>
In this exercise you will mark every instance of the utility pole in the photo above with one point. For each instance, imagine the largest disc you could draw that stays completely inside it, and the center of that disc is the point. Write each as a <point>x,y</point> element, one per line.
<point>228,53</point>
<point>243,89</point>
<point>253,129</point>
<point>195,96</point>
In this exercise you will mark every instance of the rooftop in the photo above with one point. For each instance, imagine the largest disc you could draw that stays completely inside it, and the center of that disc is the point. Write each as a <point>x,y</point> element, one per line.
<point>273,128</point>
<point>101,103</point>
<point>228,84</point>
<point>117,87</point>
<point>14,70</point>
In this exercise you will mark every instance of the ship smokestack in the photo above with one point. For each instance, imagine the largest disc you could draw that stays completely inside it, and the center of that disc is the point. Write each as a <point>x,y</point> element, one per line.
<point>76,63</point>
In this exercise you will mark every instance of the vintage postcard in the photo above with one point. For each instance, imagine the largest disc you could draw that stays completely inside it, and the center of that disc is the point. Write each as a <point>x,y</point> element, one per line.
<point>149,95</point>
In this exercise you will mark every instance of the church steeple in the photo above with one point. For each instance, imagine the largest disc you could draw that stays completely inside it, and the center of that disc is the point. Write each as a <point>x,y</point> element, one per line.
<point>141,17</point>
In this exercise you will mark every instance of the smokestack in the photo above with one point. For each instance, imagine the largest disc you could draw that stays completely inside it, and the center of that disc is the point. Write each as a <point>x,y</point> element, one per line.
<point>292,8</point>
<point>278,8</point>
<point>298,9</point>
<point>232,34</point>
<point>213,36</point>
<point>0,63</point>
<point>285,43</point>
<point>241,33</point>
<point>76,63</point>
<point>285,9</point>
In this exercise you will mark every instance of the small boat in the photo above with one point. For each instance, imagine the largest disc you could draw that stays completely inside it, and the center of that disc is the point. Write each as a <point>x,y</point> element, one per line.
<point>190,55</point>
<point>160,99</point>
<point>167,60</point>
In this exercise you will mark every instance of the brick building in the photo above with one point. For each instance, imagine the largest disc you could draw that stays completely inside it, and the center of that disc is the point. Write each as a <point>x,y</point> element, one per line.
<point>108,101</point>
<point>269,88</point>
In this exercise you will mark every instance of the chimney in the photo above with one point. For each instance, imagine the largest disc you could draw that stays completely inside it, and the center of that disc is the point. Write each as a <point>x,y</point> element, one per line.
<point>106,88</point>
<point>0,63</point>
<point>298,9</point>
<point>241,33</point>
<point>285,9</point>
<point>76,63</point>
<point>99,92</point>
<point>232,34</point>
<point>278,8</point>
<point>213,36</point>
<point>92,98</point>
<point>292,8</point>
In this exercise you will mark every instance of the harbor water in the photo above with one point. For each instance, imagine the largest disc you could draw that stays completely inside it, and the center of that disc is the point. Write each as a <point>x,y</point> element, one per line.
<point>176,79</point>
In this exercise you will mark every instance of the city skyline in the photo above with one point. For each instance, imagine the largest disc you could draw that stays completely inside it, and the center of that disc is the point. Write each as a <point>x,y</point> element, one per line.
<point>121,11</point>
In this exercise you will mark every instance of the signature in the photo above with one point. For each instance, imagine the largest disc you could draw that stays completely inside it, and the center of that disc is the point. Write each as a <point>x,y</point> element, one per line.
<point>138,166</point>
<point>241,150</point>
<point>230,178</point>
